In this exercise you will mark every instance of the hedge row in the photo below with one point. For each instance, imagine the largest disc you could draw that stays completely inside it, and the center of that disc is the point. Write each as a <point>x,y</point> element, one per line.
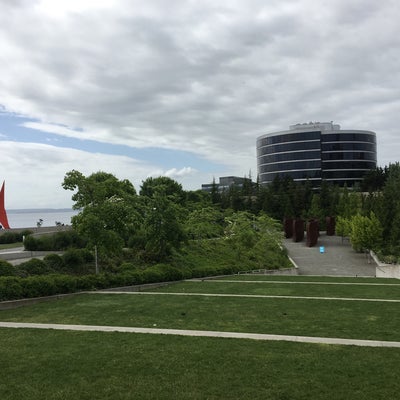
<point>13,237</point>
<point>13,288</point>
<point>54,242</point>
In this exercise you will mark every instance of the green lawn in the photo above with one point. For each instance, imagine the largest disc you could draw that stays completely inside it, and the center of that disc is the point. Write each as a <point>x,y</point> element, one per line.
<point>275,288</point>
<point>94,365</point>
<point>333,318</point>
<point>5,246</point>
<point>50,364</point>
<point>309,278</point>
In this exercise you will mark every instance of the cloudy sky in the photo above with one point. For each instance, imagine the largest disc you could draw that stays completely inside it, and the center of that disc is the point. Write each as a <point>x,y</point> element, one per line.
<point>183,88</point>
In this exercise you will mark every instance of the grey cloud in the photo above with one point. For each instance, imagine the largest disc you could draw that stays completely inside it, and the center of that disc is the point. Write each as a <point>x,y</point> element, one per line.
<point>204,77</point>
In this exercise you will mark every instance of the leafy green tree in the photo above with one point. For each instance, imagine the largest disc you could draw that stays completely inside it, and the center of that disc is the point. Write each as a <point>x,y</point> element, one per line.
<point>366,232</point>
<point>204,223</point>
<point>164,185</point>
<point>249,234</point>
<point>96,188</point>
<point>391,212</point>
<point>107,207</point>
<point>316,210</point>
<point>163,227</point>
<point>374,180</point>
<point>343,227</point>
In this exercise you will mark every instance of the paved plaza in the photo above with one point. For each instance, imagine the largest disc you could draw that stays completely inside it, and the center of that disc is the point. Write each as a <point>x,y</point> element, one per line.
<point>338,258</point>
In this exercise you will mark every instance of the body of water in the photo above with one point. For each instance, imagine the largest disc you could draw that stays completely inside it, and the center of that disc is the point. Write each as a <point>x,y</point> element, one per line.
<point>30,218</point>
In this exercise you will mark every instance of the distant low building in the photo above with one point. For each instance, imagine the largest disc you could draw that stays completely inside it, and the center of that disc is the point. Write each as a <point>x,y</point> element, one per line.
<point>225,182</point>
<point>316,151</point>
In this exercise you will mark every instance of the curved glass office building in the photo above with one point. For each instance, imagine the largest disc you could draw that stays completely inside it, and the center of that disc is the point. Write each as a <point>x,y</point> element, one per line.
<point>316,152</point>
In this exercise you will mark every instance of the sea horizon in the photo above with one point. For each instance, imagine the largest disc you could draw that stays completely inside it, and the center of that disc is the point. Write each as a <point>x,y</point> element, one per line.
<point>30,217</point>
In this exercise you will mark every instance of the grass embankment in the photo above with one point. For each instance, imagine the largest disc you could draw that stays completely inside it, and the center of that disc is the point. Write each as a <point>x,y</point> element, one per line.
<point>274,288</point>
<point>92,365</point>
<point>306,317</point>
<point>5,246</point>
<point>39,364</point>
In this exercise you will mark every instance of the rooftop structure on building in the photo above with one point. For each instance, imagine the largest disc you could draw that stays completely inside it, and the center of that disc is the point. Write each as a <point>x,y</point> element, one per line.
<point>225,182</point>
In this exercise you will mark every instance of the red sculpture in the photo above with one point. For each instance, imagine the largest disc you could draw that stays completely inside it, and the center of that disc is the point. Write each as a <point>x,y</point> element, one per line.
<point>3,214</point>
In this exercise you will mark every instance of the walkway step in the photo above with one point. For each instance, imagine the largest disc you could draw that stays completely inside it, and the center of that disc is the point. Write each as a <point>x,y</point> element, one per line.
<point>214,334</point>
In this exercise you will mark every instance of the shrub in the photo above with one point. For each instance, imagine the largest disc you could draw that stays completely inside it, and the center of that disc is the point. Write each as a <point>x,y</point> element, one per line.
<point>10,288</point>
<point>34,267</point>
<point>74,261</point>
<point>54,242</point>
<point>54,262</point>
<point>14,237</point>
<point>6,269</point>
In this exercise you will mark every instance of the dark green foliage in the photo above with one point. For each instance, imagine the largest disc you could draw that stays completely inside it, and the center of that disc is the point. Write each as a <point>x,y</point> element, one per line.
<point>165,186</point>
<point>13,237</point>
<point>374,180</point>
<point>55,262</point>
<point>55,242</point>
<point>6,269</point>
<point>34,267</point>
<point>78,261</point>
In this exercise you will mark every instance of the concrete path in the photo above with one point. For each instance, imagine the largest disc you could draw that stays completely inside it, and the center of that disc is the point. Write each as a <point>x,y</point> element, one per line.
<point>215,334</point>
<point>338,258</point>
<point>19,255</point>
<point>293,282</point>
<point>257,296</point>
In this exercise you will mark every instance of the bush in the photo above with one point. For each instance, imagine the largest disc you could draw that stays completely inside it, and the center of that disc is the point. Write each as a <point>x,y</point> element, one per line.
<point>74,261</point>
<point>6,269</point>
<point>14,237</point>
<point>54,262</point>
<point>55,242</point>
<point>10,288</point>
<point>34,267</point>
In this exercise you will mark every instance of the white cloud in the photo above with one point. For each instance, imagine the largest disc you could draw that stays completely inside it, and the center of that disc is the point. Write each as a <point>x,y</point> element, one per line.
<point>34,173</point>
<point>205,77</point>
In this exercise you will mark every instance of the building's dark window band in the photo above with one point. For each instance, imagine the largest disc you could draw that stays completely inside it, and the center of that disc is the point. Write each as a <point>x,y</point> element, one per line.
<point>281,148</point>
<point>290,137</point>
<point>305,155</point>
<point>348,137</point>
<point>344,174</point>
<point>316,141</point>
<point>295,166</point>
<point>350,165</point>
<point>348,146</point>
<point>303,164</point>
<point>348,156</point>
<point>311,175</point>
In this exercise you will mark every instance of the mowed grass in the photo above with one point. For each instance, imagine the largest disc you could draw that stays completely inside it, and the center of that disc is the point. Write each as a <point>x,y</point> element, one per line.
<point>320,318</point>
<point>288,288</point>
<point>37,364</point>
<point>310,278</point>
<point>50,364</point>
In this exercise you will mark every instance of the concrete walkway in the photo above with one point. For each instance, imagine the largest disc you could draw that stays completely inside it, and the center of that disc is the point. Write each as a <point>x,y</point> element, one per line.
<point>19,255</point>
<point>337,259</point>
<point>256,296</point>
<point>215,334</point>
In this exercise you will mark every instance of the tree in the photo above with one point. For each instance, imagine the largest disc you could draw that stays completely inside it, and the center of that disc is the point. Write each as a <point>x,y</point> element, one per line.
<point>96,188</point>
<point>108,209</point>
<point>163,228</point>
<point>366,232</point>
<point>165,185</point>
<point>391,199</point>
<point>204,223</point>
<point>343,227</point>
<point>249,234</point>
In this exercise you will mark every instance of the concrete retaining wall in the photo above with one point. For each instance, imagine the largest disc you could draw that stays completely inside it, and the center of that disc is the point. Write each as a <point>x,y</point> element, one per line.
<point>386,270</point>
